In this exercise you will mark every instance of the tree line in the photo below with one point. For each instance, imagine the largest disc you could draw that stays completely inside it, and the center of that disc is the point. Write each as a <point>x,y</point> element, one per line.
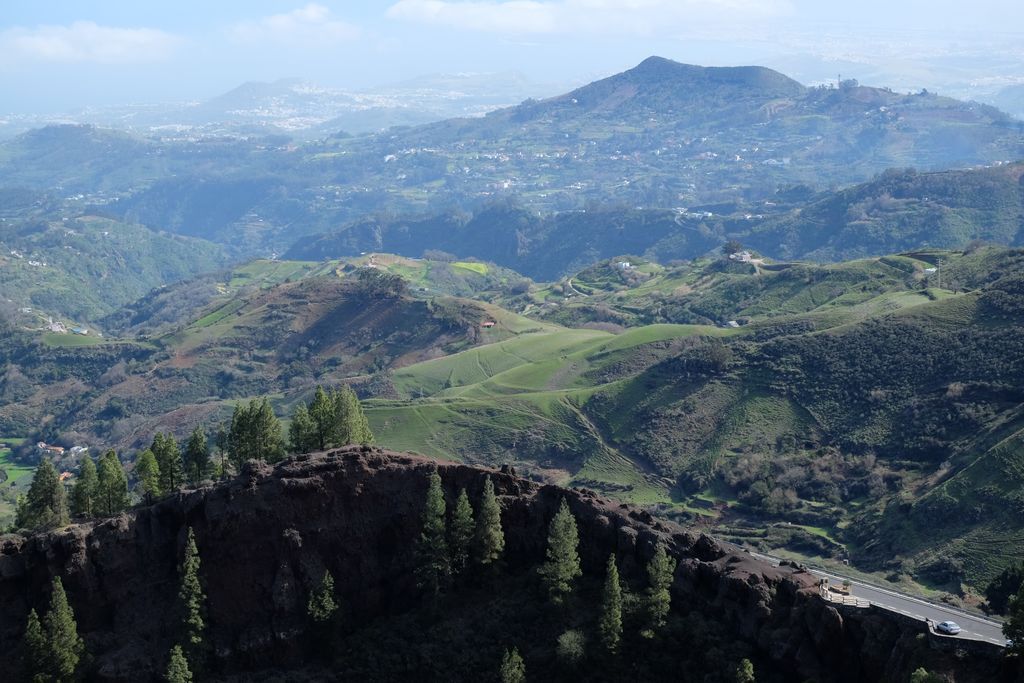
<point>450,546</point>
<point>254,432</point>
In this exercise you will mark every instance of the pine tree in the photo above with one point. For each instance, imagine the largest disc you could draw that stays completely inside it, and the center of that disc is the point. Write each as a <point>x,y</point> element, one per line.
<point>83,496</point>
<point>192,605</point>
<point>488,539</point>
<point>302,430</point>
<point>269,440</point>
<point>46,504</point>
<point>177,668</point>
<point>563,560</point>
<point>513,668</point>
<point>112,485</point>
<point>1013,628</point>
<point>168,458</point>
<point>64,644</point>
<point>255,434</point>
<point>461,533</point>
<point>352,425</point>
<point>433,565</point>
<point>322,413</point>
<point>37,649</point>
<point>610,624</point>
<point>148,472</point>
<point>322,606</point>
<point>745,672</point>
<point>197,457</point>
<point>660,571</point>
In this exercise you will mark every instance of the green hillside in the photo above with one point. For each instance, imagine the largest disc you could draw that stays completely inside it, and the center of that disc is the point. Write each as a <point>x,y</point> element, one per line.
<point>850,419</point>
<point>87,267</point>
<point>901,210</point>
<point>628,290</point>
<point>187,352</point>
<point>823,410</point>
<point>208,298</point>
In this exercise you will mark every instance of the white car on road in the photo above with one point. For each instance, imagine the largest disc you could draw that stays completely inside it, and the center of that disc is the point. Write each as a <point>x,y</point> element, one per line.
<point>948,627</point>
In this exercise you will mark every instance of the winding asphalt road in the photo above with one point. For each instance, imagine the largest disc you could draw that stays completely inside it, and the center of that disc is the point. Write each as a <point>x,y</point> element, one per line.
<point>974,627</point>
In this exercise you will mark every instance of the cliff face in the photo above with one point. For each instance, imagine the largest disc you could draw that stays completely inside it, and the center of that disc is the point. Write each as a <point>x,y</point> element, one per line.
<point>266,538</point>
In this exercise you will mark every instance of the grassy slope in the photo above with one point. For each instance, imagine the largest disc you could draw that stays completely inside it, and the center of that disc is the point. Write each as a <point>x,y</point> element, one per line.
<point>278,328</point>
<point>622,414</point>
<point>713,291</point>
<point>520,401</point>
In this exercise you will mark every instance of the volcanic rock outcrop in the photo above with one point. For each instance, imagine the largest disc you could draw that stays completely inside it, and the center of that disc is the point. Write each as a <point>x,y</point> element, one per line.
<point>267,536</point>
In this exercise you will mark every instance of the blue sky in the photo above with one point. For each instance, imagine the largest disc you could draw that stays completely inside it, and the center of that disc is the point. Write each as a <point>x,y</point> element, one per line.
<point>62,54</point>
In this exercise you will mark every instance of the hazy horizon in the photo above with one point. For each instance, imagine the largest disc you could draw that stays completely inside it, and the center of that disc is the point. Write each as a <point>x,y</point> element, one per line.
<point>65,56</point>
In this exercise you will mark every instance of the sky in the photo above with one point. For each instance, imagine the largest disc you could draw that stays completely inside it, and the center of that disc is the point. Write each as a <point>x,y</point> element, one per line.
<point>62,55</point>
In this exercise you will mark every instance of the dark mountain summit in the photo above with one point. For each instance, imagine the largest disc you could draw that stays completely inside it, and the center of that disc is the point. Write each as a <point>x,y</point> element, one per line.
<point>656,78</point>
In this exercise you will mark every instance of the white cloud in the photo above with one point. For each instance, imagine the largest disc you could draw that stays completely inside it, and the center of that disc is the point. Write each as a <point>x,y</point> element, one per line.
<point>515,16</point>
<point>643,17</point>
<point>310,25</point>
<point>86,41</point>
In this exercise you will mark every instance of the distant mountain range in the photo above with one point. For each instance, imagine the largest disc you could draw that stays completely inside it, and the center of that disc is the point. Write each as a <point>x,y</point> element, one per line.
<point>699,152</point>
<point>304,110</point>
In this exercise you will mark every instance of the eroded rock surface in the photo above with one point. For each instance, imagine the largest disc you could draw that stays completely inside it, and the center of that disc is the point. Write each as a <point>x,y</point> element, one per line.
<point>266,538</point>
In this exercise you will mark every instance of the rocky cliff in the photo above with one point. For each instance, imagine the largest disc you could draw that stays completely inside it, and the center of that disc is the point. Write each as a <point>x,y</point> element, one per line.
<point>266,538</point>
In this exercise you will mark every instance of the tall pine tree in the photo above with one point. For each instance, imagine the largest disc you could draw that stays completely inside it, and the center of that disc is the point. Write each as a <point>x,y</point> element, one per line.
<point>37,649</point>
<point>112,485</point>
<point>610,623</point>
<point>433,566</point>
<point>255,434</point>
<point>461,533</point>
<point>46,504</point>
<point>562,566</point>
<point>192,606</point>
<point>322,413</point>
<point>197,457</point>
<point>168,458</point>
<point>148,472</point>
<point>352,425</point>
<point>302,431</point>
<point>269,438</point>
<point>660,571</point>
<point>488,537</point>
<point>83,495</point>
<point>65,645</point>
